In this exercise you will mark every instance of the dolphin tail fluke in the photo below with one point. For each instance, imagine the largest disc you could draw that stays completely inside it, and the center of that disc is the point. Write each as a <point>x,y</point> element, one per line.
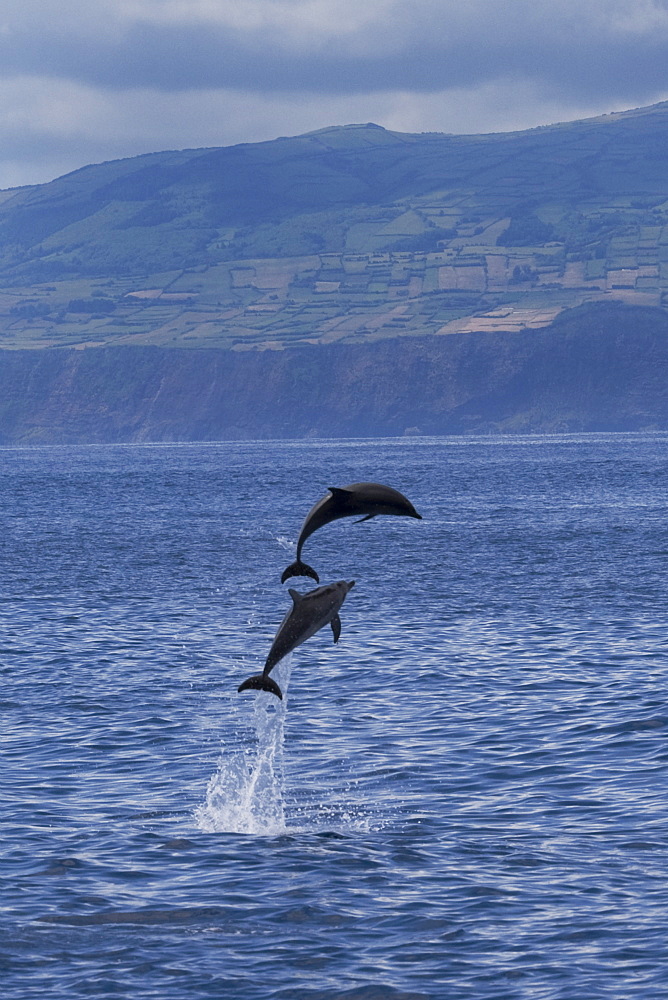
<point>261,682</point>
<point>299,568</point>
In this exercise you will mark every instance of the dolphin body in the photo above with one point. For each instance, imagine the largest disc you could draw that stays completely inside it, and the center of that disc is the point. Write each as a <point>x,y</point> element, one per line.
<point>368,499</point>
<point>309,613</point>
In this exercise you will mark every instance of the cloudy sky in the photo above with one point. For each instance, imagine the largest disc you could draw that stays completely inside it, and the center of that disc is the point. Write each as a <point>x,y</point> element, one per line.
<point>88,80</point>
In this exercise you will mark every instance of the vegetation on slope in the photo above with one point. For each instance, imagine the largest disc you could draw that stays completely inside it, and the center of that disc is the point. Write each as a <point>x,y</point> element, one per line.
<point>350,234</point>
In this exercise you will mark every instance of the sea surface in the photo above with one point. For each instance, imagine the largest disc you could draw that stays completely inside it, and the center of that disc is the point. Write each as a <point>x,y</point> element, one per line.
<point>466,798</point>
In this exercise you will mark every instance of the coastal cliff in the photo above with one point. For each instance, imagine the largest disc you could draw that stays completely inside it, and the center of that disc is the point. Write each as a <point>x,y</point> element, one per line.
<point>595,368</point>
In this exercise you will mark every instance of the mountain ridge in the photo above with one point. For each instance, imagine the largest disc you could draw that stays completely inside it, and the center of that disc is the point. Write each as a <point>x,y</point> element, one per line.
<point>347,254</point>
<point>354,218</point>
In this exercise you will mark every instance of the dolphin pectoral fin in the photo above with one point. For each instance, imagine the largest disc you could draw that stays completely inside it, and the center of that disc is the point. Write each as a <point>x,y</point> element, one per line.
<point>299,568</point>
<point>367,518</point>
<point>336,627</point>
<point>261,682</point>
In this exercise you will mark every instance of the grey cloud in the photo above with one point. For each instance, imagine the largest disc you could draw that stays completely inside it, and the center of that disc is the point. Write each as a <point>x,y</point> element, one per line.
<point>422,52</point>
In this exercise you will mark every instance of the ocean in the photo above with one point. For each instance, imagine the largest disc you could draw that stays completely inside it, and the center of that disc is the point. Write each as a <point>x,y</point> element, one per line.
<point>465,798</point>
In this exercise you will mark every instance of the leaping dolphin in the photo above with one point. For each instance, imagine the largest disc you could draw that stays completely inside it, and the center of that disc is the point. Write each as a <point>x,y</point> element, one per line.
<point>309,613</point>
<point>368,499</point>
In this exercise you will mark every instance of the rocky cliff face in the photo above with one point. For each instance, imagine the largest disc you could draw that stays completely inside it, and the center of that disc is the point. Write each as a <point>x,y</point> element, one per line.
<point>598,368</point>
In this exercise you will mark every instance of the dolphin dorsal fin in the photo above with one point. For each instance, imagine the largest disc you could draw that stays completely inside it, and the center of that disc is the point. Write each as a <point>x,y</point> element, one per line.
<point>295,595</point>
<point>338,491</point>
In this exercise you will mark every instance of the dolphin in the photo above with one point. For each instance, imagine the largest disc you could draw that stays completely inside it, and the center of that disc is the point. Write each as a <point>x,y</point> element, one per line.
<point>309,613</point>
<point>369,499</point>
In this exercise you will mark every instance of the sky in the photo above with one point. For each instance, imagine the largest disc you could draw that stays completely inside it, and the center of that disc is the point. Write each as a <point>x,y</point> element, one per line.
<point>82,81</point>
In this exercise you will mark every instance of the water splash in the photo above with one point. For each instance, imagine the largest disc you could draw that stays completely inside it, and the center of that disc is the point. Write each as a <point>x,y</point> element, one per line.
<point>245,795</point>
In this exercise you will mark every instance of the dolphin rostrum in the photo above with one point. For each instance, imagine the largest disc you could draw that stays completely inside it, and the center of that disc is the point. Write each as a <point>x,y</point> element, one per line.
<point>309,613</point>
<point>368,499</point>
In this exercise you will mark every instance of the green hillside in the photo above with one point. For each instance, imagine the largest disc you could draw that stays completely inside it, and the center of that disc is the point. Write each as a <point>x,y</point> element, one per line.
<point>349,234</point>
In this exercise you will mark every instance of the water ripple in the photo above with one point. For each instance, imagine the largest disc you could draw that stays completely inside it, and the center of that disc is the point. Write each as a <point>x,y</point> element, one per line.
<point>465,797</point>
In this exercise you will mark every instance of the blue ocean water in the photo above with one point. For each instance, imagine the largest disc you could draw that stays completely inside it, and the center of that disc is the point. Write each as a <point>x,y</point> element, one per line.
<point>465,799</point>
